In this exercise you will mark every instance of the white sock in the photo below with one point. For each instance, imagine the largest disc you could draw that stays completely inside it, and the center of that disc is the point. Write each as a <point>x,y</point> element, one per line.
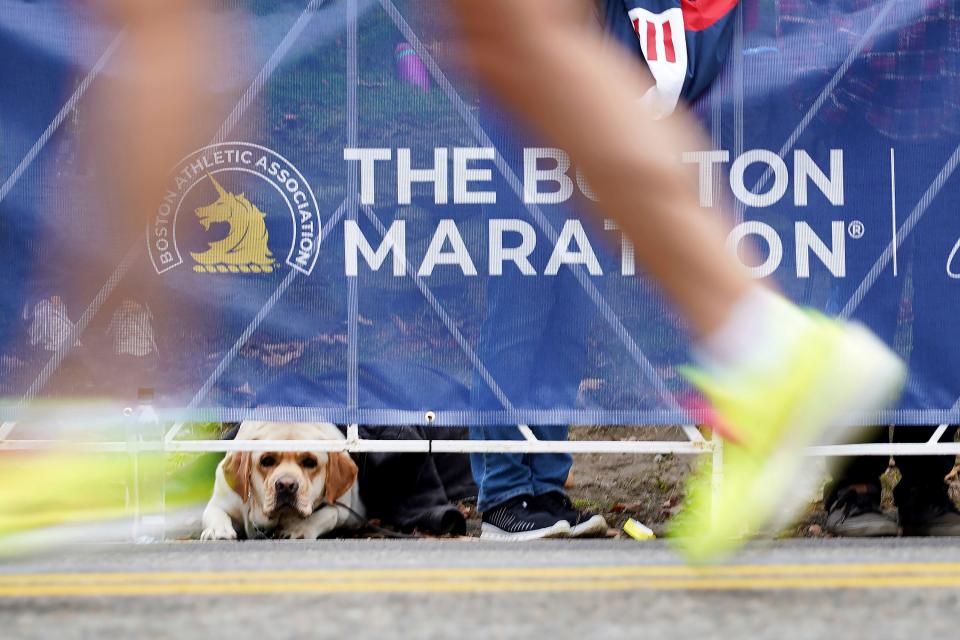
<point>753,337</point>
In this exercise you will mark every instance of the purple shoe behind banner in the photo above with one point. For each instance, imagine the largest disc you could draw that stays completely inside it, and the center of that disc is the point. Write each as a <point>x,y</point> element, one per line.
<point>410,68</point>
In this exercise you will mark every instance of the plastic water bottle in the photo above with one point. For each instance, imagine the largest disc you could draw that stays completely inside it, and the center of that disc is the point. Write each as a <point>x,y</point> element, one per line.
<point>149,522</point>
<point>410,68</point>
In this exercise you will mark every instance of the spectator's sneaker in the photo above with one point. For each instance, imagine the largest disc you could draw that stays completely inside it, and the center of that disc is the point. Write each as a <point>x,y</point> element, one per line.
<point>582,524</point>
<point>518,520</point>
<point>927,513</point>
<point>827,372</point>
<point>855,513</point>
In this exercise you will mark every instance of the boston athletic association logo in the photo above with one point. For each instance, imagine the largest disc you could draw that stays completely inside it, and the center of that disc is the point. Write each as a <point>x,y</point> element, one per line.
<point>226,209</point>
<point>246,247</point>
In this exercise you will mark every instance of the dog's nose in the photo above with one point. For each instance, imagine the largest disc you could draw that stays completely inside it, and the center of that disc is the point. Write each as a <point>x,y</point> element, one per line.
<point>286,485</point>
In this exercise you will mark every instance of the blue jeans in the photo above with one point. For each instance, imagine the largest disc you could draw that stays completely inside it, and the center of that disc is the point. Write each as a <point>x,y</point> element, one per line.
<point>535,350</point>
<point>502,476</point>
<point>533,342</point>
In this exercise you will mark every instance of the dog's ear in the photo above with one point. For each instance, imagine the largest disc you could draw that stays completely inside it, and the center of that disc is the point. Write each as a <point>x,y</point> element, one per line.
<point>341,474</point>
<point>236,471</point>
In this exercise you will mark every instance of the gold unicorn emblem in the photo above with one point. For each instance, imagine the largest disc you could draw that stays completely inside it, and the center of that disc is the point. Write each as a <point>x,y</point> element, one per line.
<point>245,249</point>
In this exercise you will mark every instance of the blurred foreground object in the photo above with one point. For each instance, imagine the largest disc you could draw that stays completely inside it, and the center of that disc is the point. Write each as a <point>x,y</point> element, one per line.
<point>147,113</point>
<point>160,110</point>
<point>45,494</point>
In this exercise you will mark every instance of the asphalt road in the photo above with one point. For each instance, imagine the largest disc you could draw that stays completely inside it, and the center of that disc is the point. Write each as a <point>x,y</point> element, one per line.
<point>904,588</point>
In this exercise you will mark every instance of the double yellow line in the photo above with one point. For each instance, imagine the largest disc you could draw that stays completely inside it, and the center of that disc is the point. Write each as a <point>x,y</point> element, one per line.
<point>473,580</point>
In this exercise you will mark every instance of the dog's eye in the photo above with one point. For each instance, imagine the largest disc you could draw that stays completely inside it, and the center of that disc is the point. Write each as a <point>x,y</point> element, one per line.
<point>309,463</point>
<point>267,461</point>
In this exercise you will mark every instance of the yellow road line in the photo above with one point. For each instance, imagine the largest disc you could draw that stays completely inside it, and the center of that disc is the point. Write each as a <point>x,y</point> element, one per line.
<point>441,573</point>
<point>459,580</point>
<point>482,586</point>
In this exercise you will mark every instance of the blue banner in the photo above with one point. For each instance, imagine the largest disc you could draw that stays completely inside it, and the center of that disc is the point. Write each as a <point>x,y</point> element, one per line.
<point>367,238</point>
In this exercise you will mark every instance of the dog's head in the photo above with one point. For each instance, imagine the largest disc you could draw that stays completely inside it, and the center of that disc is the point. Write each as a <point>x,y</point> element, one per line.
<point>274,483</point>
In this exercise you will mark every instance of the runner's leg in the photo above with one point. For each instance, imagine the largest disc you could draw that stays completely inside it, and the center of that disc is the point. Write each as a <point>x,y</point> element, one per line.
<point>584,96</point>
<point>778,379</point>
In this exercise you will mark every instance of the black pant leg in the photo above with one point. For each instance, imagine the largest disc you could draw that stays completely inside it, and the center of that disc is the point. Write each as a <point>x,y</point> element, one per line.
<point>860,470</point>
<point>926,472</point>
<point>405,489</point>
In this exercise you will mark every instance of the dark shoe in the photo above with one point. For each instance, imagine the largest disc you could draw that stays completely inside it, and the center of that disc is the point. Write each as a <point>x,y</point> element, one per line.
<point>441,520</point>
<point>855,513</point>
<point>582,524</point>
<point>927,512</point>
<point>518,520</point>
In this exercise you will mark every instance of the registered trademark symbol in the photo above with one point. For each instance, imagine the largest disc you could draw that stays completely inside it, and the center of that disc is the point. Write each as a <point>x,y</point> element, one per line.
<point>856,230</point>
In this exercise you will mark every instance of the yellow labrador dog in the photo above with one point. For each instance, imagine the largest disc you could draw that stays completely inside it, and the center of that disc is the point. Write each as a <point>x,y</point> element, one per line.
<point>296,495</point>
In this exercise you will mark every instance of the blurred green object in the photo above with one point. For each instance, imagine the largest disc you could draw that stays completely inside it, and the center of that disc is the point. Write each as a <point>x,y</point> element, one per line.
<point>42,490</point>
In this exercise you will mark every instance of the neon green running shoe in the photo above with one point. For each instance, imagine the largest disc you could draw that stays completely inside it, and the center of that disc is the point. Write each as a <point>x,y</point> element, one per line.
<point>830,374</point>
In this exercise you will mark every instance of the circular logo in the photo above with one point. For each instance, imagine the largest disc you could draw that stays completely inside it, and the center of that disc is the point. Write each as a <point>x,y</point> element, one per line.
<point>228,209</point>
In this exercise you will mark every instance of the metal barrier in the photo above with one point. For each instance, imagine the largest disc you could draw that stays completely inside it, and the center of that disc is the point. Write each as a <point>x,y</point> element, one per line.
<point>169,442</point>
<point>152,528</point>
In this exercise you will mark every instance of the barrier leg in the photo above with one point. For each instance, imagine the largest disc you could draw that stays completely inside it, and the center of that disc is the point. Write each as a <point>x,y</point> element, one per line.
<point>526,432</point>
<point>935,438</point>
<point>353,436</point>
<point>716,473</point>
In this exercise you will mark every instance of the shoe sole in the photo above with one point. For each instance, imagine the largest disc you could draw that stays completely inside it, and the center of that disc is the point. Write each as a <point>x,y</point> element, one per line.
<point>492,532</point>
<point>595,526</point>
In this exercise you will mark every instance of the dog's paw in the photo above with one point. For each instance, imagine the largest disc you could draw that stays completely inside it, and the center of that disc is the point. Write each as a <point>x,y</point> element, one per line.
<point>291,535</point>
<point>299,531</point>
<point>218,533</point>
